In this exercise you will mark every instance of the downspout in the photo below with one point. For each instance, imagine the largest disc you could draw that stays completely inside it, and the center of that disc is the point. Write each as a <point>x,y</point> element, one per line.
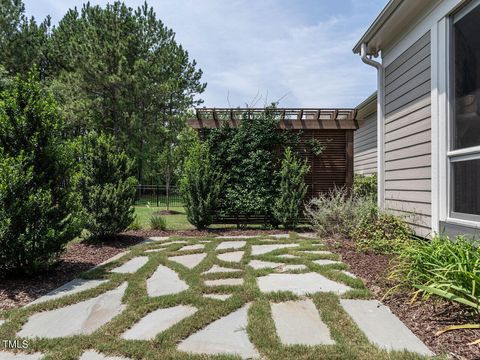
<point>380,122</point>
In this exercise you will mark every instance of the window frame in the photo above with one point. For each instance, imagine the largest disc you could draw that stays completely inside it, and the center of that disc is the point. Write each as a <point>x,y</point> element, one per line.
<point>464,154</point>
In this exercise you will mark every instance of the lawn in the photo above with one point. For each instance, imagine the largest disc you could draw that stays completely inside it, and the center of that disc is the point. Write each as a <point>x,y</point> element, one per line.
<point>174,222</point>
<point>350,342</point>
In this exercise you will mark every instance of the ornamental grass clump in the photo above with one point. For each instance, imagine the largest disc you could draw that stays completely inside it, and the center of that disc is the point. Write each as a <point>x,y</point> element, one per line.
<point>442,267</point>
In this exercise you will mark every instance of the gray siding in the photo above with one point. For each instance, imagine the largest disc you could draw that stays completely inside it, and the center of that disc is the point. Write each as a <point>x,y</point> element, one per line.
<point>365,147</point>
<point>408,136</point>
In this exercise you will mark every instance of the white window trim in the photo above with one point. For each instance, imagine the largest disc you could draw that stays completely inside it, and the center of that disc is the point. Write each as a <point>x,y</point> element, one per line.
<point>446,156</point>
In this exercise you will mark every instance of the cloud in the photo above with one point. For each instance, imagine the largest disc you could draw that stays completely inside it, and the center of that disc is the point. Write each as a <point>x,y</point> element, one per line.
<point>299,51</point>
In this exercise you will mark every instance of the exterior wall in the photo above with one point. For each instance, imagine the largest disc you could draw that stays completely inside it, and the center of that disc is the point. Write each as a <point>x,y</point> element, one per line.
<point>408,135</point>
<point>365,146</point>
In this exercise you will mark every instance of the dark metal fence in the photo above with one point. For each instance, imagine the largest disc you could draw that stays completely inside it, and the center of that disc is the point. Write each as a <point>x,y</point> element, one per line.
<point>155,195</point>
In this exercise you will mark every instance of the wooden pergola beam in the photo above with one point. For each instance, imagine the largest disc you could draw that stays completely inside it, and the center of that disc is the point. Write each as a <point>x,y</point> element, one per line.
<point>289,118</point>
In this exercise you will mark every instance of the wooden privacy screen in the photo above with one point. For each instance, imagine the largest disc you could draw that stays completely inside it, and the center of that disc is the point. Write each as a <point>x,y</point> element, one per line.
<point>331,127</point>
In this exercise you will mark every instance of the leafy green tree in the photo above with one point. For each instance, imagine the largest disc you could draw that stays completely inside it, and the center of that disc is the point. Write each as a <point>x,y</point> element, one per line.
<point>23,42</point>
<point>38,210</point>
<point>288,206</point>
<point>200,186</point>
<point>121,72</point>
<point>105,183</point>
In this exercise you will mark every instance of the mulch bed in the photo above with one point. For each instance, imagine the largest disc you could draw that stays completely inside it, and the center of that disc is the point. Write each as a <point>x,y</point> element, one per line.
<point>17,291</point>
<point>424,318</point>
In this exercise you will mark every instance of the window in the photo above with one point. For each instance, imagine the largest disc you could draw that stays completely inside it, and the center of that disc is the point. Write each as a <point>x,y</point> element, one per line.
<point>464,154</point>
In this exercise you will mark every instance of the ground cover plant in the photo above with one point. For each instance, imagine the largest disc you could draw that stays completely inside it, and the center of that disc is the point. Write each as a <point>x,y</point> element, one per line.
<point>350,342</point>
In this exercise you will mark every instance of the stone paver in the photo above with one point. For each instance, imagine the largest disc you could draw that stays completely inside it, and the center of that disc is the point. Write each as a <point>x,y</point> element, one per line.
<point>112,259</point>
<point>309,235</point>
<point>192,247</point>
<point>94,355</point>
<point>231,245</point>
<point>83,318</point>
<point>327,262</point>
<point>158,321</point>
<point>224,282</point>
<point>382,327</point>
<point>280,236</point>
<point>300,284</point>
<point>19,356</point>
<point>220,269</point>
<point>73,287</point>
<point>158,238</point>
<point>154,250</point>
<point>348,273</point>
<point>221,297</point>
<point>189,261</point>
<point>236,236</point>
<point>227,335</point>
<point>264,249</point>
<point>2,322</point>
<point>287,256</point>
<point>317,252</point>
<point>154,239</point>
<point>165,281</point>
<point>131,266</point>
<point>298,322</point>
<point>260,264</point>
<point>234,256</point>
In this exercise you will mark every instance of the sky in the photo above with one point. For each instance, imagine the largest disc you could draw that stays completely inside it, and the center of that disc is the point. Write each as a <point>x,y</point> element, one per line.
<point>255,52</point>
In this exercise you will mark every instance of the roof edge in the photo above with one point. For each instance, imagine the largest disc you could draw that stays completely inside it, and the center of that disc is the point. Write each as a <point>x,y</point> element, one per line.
<point>377,24</point>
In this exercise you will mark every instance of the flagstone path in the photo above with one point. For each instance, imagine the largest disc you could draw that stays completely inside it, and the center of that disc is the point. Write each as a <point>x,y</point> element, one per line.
<point>253,303</point>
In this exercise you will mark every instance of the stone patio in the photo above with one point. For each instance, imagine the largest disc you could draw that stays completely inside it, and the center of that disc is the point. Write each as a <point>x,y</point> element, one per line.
<point>175,298</point>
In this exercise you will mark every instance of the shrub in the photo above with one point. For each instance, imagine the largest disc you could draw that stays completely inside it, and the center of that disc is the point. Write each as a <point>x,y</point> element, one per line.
<point>158,222</point>
<point>443,267</point>
<point>382,233</point>
<point>105,184</point>
<point>336,213</point>
<point>365,186</point>
<point>38,211</point>
<point>200,186</point>
<point>289,204</point>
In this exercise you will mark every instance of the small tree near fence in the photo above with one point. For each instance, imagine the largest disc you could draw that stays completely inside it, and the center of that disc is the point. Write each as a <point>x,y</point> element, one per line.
<point>200,186</point>
<point>289,203</point>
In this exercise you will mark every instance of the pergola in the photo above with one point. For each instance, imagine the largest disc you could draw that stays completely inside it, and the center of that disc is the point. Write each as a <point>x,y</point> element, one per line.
<point>289,118</point>
<point>332,127</point>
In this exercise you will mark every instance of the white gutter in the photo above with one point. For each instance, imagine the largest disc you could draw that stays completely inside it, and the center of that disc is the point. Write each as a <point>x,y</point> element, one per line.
<point>380,122</point>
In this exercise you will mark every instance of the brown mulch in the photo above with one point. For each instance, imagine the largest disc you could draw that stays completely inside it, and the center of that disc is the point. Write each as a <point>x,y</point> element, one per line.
<point>424,318</point>
<point>16,291</point>
<point>167,212</point>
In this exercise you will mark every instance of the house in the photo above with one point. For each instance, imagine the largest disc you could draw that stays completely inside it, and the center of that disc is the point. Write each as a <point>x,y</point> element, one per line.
<point>423,136</point>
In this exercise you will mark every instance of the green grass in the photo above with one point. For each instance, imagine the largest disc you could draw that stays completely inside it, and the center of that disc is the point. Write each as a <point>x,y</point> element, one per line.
<point>174,222</point>
<point>350,342</point>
